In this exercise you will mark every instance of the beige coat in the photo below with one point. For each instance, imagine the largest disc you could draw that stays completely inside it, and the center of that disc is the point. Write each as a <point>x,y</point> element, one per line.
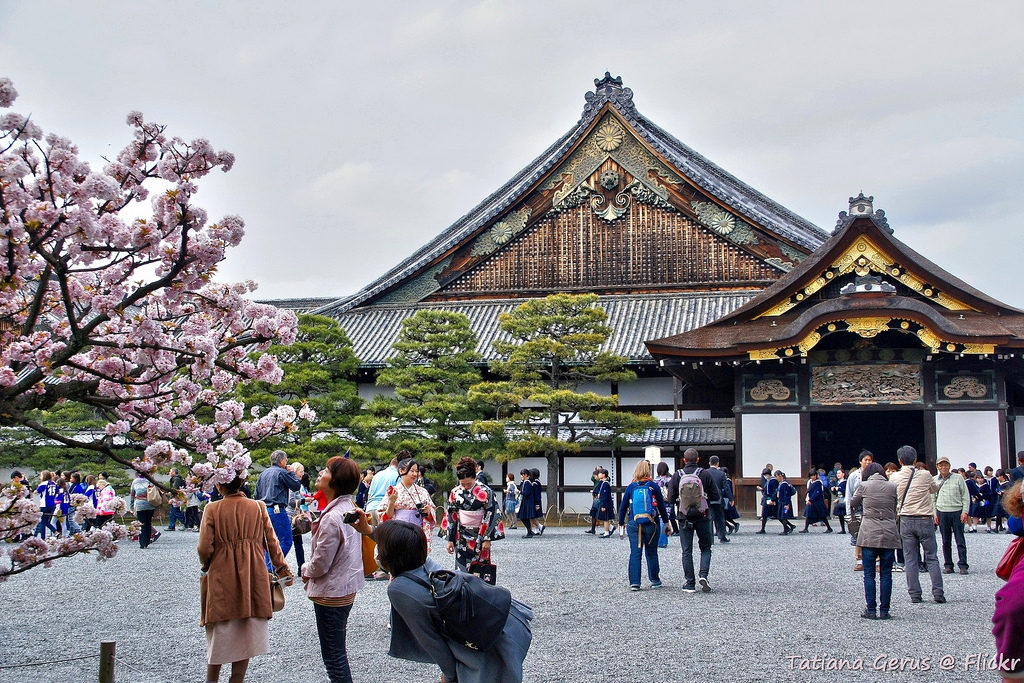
<point>236,584</point>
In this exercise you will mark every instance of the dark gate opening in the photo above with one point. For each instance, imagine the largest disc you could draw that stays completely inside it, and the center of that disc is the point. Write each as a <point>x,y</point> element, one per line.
<point>840,436</point>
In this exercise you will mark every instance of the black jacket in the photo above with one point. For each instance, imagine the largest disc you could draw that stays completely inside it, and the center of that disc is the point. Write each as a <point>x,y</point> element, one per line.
<point>720,479</point>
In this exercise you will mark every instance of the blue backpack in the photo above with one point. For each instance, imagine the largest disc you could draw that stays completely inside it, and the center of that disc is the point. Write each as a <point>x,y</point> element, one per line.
<point>642,504</point>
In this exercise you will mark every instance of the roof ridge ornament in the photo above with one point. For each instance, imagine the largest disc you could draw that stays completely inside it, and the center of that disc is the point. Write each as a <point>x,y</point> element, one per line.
<point>609,89</point>
<point>862,207</point>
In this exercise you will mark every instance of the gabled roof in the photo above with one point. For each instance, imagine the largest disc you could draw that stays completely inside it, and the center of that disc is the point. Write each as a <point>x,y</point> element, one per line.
<point>609,96</point>
<point>907,293</point>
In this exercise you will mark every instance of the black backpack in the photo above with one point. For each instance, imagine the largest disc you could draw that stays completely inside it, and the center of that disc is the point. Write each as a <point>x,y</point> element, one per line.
<point>471,611</point>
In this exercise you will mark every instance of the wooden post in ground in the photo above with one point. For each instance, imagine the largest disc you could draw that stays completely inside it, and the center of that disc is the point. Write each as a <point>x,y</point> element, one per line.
<point>107,661</point>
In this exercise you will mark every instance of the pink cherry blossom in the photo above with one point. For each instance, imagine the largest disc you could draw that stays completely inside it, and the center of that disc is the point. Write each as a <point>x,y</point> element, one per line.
<point>133,320</point>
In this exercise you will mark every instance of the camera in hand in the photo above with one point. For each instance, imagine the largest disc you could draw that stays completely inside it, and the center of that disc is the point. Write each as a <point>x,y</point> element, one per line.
<point>350,517</point>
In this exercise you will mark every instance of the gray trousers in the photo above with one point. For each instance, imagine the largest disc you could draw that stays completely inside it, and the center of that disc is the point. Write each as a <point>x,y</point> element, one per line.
<point>919,532</point>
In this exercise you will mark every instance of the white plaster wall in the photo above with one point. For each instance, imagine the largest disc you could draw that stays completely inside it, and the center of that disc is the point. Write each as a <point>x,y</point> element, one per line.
<point>368,391</point>
<point>774,438</point>
<point>968,436</point>
<point>646,390</point>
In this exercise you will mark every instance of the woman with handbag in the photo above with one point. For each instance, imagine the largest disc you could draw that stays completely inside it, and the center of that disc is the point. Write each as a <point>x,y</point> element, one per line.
<point>334,571</point>
<point>143,509</point>
<point>471,519</point>
<point>877,538</point>
<point>409,501</point>
<point>416,633</point>
<point>1008,618</point>
<point>235,588</point>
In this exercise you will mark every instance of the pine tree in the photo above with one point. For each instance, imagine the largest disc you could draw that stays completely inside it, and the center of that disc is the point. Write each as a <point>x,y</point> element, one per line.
<point>555,347</point>
<point>429,413</point>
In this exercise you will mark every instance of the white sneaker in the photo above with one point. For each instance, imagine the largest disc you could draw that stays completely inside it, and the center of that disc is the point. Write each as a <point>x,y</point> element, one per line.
<point>704,585</point>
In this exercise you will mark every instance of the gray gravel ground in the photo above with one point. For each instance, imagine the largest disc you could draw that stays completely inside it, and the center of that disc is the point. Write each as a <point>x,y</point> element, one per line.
<point>773,597</point>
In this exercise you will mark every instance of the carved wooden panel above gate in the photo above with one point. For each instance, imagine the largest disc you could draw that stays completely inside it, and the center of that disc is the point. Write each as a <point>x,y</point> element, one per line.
<point>866,384</point>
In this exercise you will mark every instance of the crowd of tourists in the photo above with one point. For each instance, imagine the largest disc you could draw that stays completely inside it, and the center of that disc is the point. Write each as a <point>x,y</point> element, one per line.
<point>367,525</point>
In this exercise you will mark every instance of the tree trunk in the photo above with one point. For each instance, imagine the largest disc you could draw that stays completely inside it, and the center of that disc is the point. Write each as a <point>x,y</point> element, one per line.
<point>553,476</point>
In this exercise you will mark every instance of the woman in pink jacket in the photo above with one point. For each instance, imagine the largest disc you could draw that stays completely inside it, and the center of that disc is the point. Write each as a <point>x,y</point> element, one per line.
<point>334,571</point>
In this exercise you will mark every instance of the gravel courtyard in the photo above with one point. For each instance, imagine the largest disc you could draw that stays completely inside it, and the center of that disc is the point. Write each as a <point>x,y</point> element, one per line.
<point>777,603</point>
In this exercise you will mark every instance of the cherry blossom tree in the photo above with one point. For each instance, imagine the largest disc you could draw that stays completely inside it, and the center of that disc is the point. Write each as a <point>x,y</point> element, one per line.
<point>113,305</point>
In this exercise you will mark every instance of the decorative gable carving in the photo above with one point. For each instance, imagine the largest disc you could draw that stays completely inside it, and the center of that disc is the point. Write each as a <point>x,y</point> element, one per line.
<point>863,257</point>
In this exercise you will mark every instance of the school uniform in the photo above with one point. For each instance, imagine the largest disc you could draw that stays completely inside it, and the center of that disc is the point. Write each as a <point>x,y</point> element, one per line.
<point>784,496</point>
<point>605,505</point>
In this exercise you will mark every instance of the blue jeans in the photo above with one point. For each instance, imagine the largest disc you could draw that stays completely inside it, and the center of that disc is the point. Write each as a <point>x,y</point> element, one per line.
<point>703,531</point>
<point>45,522</point>
<point>282,529</point>
<point>645,536</point>
<point>331,626</point>
<point>174,514</point>
<point>887,557</point>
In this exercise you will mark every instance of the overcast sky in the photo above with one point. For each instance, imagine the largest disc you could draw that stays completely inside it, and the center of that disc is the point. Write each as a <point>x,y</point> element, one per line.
<point>362,130</point>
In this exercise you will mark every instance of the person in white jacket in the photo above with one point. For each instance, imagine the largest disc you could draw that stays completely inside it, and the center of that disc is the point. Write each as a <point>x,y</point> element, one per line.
<point>852,484</point>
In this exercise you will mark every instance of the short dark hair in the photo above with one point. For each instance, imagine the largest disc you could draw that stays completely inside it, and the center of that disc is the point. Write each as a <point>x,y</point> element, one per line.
<point>690,455</point>
<point>713,460</point>
<point>907,455</point>
<point>662,469</point>
<point>1020,457</point>
<point>401,546</point>
<point>534,474</point>
<point>872,469</point>
<point>865,454</point>
<point>480,463</point>
<point>345,475</point>
<point>779,473</point>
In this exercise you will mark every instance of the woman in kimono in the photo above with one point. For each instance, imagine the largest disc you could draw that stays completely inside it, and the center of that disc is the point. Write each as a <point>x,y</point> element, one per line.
<point>784,502</point>
<point>409,501</point>
<point>605,506</point>
<point>769,497</point>
<point>472,519</point>
<point>817,505</point>
<point>415,629</point>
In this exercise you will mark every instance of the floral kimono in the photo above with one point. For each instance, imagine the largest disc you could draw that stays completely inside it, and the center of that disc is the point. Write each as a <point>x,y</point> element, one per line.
<point>406,508</point>
<point>472,517</point>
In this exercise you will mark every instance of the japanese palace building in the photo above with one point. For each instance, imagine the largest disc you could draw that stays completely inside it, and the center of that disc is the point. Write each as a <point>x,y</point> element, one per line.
<point>772,340</point>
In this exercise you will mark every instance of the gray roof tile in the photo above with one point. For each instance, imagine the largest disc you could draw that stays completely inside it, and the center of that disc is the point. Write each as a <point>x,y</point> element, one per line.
<point>633,318</point>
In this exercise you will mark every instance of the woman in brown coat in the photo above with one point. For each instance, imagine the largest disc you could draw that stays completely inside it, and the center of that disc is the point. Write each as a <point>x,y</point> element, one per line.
<point>878,537</point>
<point>235,585</point>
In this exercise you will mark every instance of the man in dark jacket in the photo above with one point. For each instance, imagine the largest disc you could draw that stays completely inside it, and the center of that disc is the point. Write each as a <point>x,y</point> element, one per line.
<point>702,526</point>
<point>1018,471</point>
<point>716,507</point>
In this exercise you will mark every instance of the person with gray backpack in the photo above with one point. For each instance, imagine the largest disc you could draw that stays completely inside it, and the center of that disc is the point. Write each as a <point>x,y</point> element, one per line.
<point>690,489</point>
